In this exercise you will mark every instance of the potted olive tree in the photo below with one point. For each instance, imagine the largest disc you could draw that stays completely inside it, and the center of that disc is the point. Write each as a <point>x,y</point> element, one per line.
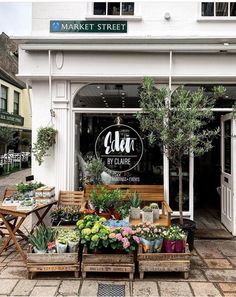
<point>178,121</point>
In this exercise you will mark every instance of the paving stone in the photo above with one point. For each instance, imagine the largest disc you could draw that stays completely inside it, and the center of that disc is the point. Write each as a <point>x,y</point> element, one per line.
<point>197,262</point>
<point>207,249</point>
<point>149,289</point>
<point>69,287</point>
<point>7,285</point>
<point>221,275</point>
<point>232,260</point>
<point>24,287</point>
<point>228,287</point>
<point>14,272</point>
<point>205,289</point>
<point>2,258</point>
<point>16,263</point>
<point>218,263</point>
<point>229,294</point>
<point>48,282</point>
<point>180,289</point>
<point>44,291</point>
<point>227,247</point>
<point>89,288</point>
<point>3,295</point>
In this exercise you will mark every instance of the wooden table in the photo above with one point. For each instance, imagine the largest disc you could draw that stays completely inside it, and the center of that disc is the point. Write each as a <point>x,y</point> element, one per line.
<point>20,216</point>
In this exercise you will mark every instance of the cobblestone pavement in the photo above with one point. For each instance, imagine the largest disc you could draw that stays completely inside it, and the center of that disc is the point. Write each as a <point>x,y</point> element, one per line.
<point>13,178</point>
<point>213,274</point>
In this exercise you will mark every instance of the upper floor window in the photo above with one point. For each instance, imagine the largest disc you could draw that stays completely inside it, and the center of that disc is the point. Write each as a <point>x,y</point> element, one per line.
<point>3,98</point>
<point>16,105</point>
<point>113,8</point>
<point>218,9</point>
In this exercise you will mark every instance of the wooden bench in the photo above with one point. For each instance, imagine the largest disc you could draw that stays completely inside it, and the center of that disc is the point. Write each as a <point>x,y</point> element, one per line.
<point>147,193</point>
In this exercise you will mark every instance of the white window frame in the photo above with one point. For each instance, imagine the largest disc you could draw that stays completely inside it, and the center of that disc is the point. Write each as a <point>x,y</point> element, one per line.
<point>214,17</point>
<point>135,17</point>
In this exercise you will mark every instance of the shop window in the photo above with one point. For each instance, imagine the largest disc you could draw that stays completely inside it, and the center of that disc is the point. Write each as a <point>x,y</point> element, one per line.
<point>113,8</point>
<point>218,9</point>
<point>4,98</point>
<point>16,104</point>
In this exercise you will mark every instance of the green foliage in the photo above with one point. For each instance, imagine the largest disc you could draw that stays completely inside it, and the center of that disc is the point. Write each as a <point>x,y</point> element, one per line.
<point>154,206</point>
<point>45,139</point>
<point>41,236</point>
<point>147,209</point>
<point>67,235</point>
<point>178,122</point>
<point>6,135</point>
<point>219,91</point>
<point>23,187</point>
<point>174,232</point>
<point>134,200</point>
<point>94,168</point>
<point>104,199</point>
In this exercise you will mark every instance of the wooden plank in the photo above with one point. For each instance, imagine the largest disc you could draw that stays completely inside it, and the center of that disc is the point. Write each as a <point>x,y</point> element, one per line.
<point>75,198</point>
<point>108,258</point>
<point>108,268</point>
<point>164,266</point>
<point>64,258</point>
<point>47,268</point>
<point>163,256</point>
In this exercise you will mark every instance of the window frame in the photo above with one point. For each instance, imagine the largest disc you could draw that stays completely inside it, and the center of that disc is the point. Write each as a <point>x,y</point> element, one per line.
<point>214,17</point>
<point>4,99</point>
<point>114,15</point>
<point>16,111</point>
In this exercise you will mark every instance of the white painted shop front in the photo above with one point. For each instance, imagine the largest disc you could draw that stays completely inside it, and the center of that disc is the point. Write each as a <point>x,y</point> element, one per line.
<point>64,69</point>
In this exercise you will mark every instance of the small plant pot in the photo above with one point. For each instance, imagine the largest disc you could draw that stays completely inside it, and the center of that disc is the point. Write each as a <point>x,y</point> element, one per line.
<point>61,248</point>
<point>148,245</point>
<point>147,217</point>
<point>135,213</point>
<point>39,251</point>
<point>157,245</point>
<point>169,245</point>
<point>180,246</point>
<point>156,214</point>
<point>73,247</point>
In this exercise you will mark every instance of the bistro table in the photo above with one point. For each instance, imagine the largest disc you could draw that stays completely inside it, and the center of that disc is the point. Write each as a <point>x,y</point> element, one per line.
<point>20,216</point>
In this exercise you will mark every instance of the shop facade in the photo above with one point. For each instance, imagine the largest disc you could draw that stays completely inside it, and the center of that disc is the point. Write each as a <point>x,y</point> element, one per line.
<point>86,75</point>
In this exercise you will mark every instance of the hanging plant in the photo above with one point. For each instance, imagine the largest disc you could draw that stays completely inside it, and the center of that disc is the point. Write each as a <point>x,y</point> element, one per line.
<point>45,139</point>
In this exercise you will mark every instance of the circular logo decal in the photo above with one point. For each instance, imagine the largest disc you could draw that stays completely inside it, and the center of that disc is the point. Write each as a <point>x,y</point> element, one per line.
<point>120,147</point>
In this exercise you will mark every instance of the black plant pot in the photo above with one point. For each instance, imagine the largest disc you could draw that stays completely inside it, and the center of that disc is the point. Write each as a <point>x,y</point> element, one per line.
<point>189,227</point>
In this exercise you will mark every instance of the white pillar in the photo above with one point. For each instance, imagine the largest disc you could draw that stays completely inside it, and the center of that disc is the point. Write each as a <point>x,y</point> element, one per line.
<point>61,107</point>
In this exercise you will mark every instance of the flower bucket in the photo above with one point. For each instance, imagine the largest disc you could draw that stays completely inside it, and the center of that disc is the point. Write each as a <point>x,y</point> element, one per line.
<point>179,246</point>
<point>156,214</point>
<point>61,247</point>
<point>157,245</point>
<point>147,217</point>
<point>169,245</point>
<point>73,247</point>
<point>39,251</point>
<point>147,245</point>
<point>135,213</point>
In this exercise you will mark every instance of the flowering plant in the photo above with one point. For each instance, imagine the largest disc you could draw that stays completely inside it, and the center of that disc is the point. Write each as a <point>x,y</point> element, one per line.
<point>123,238</point>
<point>174,232</point>
<point>95,235</point>
<point>148,231</point>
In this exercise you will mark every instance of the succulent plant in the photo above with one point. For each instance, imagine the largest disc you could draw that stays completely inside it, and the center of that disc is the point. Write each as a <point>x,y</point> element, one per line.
<point>134,200</point>
<point>41,236</point>
<point>154,206</point>
<point>147,209</point>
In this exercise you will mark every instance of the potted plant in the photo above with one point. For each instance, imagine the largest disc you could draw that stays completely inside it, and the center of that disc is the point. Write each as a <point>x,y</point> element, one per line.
<point>61,244</point>
<point>178,121</point>
<point>150,237</point>
<point>94,169</point>
<point>134,202</point>
<point>219,91</point>
<point>174,239</point>
<point>46,138</point>
<point>40,238</point>
<point>155,209</point>
<point>73,241</point>
<point>147,215</point>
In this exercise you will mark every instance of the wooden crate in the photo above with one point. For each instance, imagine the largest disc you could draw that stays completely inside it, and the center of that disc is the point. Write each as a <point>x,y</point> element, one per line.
<point>107,263</point>
<point>52,262</point>
<point>163,262</point>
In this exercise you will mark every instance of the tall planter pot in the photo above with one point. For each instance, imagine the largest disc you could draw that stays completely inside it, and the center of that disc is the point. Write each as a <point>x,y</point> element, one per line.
<point>189,227</point>
<point>135,213</point>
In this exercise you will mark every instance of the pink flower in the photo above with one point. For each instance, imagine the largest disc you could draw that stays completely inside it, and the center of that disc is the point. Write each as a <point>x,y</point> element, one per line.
<point>119,237</point>
<point>138,230</point>
<point>126,244</point>
<point>125,233</point>
<point>135,238</point>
